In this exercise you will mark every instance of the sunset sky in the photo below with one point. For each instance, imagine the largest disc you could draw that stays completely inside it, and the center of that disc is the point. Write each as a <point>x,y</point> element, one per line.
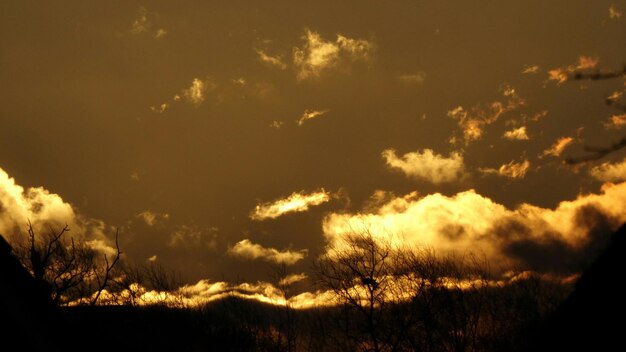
<point>222,137</point>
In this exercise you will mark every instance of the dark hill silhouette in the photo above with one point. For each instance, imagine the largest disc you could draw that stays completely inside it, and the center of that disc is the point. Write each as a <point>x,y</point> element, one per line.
<point>25,308</point>
<point>592,317</point>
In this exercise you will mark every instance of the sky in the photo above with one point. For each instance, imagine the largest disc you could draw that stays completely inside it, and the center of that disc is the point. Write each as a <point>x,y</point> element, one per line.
<point>224,138</point>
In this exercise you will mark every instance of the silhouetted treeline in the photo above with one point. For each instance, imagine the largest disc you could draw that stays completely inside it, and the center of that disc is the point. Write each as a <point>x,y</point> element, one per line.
<point>443,304</point>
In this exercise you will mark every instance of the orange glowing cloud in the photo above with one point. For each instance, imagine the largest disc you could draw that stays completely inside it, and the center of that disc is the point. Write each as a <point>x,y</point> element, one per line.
<point>247,250</point>
<point>558,147</point>
<point>427,165</point>
<point>562,74</point>
<point>295,203</point>
<point>468,221</point>
<point>512,169</point>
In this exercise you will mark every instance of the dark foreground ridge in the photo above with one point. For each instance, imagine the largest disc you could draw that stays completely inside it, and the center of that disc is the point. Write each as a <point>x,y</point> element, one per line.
<point>585,321</point>
<point>591,318</point>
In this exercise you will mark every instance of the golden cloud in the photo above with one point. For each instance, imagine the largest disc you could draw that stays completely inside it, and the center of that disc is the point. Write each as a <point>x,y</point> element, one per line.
<point>294,203</point>
<point>616,122</point>
<point>610,172</point>
<point>151,218</point>
<point>558,147</point>
<point>528,69</point>
<point>274,61</point>
<point>518,134</point>
<point>469,222</point>
<point>512,169</point>
<point>310,114</point>
<point>561,74</point>
<point>42,208</point>
<point>247,250</point>
<point>473,121</point>
<point>317,55</point>
<point>427,165</point>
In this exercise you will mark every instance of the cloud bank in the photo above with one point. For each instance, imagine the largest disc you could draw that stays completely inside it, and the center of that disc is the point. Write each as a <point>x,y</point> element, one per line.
<point>530,236</point>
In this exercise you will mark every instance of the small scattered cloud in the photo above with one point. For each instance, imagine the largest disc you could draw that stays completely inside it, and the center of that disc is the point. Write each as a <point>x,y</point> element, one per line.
<point>143,24</point>
<point>248,250</point>
<point>269,60</point>
<point>153,258</point>
<point>160,33</point>
<point>317,55</point>
<point>427,165</point>
<point>473,121</point>
<point>562,74</point>
<point>195,94</point>
<point>610,172</point>
<point>512,169</point>
<point>310,114</point>
<point>413,78</point>
<point>615,122</point>
<point>160,109</point>
<point>151,218</point>
<point>558,147</point>
<point>517,134</point>
<point>530,69</point>
<point>614,12</point>
<point>276,124</point>
<point>294,203</point>
<point>292,279</point>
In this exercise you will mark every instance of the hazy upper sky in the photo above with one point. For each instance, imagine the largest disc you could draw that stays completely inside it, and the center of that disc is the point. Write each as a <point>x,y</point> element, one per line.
<point>185,123</point>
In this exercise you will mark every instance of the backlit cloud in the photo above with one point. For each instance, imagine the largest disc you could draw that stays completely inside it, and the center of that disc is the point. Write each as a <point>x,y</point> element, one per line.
<point>247,250</point>
<point>310,114</point>
<point>44,209</point>
<point>518,134</point>
<point>511,169</point>
<point>151,218</point>
<point>561,74</point>
<point>292,279</point>
<point>295,203</point>
<point>427,165</point>
<point>610,172</point>
<point>558,147</point>
<point>474,120</point>
<point>529,69</point>
<point>317,55</point>
<point>532,236</point>
<point>273,61</point>
<point>195,93</point>
<point>616,122</point>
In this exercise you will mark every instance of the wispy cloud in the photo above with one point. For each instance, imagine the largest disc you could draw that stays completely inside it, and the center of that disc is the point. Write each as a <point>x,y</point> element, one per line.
<point>511,169</point>
<point>473,121</point>
<point>615,122</point>
<point>317,55</point>
<point>530,69</point>
<point>247,250</point>
<point>518,134</point>
<point>292,279</point>
<point>295,203</point>
<point>562,74</point>
<point>195,94</point>
<point>273,61</point>
<point>427,165</point>
<point>558,147</point>
<point>143,24</point>
<point>151,218</point>
<point>614,12</point>
<point>310,114</point>
<point>191,236</point>
<point>610,172</point>
<point>413,78</point>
